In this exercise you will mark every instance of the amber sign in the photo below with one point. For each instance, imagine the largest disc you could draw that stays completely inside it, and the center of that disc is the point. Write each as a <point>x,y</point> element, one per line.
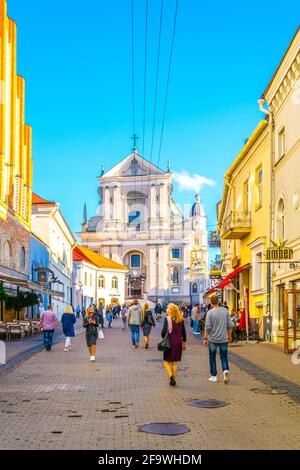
<point>278,252</point>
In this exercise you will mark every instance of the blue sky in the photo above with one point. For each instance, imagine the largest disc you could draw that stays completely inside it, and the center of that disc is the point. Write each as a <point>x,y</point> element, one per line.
<point>76,58</point>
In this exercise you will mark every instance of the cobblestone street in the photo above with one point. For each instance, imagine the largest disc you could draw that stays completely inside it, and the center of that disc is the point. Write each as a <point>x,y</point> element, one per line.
<point>60,400</point>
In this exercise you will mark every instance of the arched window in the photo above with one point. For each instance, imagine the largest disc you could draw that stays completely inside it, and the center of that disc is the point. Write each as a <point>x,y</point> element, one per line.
<point>175,276</point>
<point>23,258</point>
<point>281,220</point>
<point>195,288</point>
<point>101,282</point>
<point>114,282</point>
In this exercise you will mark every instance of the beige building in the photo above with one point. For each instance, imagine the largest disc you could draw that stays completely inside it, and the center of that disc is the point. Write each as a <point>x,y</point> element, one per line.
<point>49,225</point>
<point>283,98</point>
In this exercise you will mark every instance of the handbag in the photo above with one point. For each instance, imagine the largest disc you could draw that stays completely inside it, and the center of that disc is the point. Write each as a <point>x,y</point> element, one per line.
<point>165,344</point>
<point>100,334</point>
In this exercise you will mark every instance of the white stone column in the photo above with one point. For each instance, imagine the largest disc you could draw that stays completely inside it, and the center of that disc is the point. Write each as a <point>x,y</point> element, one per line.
<point>106,203</point>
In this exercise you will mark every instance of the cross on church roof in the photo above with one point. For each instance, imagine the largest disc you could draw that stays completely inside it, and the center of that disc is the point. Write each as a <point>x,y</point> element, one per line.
<point>134,138</point>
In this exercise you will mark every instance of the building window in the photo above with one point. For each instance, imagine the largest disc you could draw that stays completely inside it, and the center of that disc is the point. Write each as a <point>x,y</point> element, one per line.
<point>101,282</point>
<point>281,143</point>
<point>281,307</point>
<point>85,279</point>
<point>258,181</point>
<point>114,282</point>
<point>91,280</point>
<point>175,276</point>
<point>23,258</point>
<point>7,252</point>
<point>176,254</point>
<point>135,261</point>
<point>195,288</point>
<point>134,218</point>
<point>281,220</point>
<point>246,196</point>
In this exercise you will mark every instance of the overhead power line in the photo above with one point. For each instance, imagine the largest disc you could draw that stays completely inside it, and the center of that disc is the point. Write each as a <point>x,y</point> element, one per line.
<point>168,83</point>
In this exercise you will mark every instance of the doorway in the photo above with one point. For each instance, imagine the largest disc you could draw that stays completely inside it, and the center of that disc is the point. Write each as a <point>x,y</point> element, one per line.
<point>292,320</point>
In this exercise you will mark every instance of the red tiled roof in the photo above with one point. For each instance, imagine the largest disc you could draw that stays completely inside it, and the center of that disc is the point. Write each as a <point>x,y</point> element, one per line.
<point>38,200</point>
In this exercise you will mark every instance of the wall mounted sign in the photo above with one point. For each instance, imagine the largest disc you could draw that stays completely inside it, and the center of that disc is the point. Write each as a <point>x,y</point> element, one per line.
<point>279,252</point>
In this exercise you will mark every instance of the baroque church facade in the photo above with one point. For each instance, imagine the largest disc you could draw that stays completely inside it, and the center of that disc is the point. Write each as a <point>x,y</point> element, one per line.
<point>138,224</point>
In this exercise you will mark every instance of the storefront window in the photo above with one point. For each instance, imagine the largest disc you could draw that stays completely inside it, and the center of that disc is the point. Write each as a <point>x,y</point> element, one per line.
<point>281,307</point>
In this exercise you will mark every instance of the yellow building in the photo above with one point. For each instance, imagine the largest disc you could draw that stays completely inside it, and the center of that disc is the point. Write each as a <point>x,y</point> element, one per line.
<point>243,222</point>
<point>15,161</point>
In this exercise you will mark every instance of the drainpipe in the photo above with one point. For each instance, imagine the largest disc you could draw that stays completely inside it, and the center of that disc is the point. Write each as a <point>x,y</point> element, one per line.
<point>269,113</point>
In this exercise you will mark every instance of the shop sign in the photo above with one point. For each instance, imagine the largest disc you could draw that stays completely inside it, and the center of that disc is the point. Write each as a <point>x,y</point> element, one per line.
<point>279,252</point>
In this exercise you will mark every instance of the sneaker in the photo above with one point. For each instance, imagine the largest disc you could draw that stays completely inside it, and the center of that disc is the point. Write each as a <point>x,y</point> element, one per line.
<point>70,348</point>
<point>226,376</point>
<point>146,345</point>
<point>66,349</point>
<point>213,379</point>
<point>92,359</point>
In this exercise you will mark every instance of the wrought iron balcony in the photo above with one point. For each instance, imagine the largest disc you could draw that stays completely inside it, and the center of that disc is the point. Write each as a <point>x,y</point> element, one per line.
<point>236,225</point>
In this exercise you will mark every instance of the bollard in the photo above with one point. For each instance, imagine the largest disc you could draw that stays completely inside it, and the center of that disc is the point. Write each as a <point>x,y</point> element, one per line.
<point>2,352</point>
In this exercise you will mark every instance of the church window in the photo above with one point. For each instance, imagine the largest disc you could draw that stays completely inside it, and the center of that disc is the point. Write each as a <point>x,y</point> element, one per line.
<point>176,254</point>
<point>195,288</point>
<point>135,260</point>
<point>114,282</point>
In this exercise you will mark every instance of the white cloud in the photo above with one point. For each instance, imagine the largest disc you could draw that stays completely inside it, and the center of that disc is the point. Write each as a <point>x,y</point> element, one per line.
<point>194,182</point>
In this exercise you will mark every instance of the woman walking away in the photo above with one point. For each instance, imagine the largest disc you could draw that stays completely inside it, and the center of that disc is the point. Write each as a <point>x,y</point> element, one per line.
<point>91,324</point>
<point>68,321</point>
<point>134,321</point>
<point>124,316</point>
<point>174,325</point>
<point>49,322</point>
<point>147,323</point>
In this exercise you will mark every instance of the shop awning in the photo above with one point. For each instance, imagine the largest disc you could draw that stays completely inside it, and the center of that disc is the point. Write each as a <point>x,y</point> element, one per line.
<point>226,281</point>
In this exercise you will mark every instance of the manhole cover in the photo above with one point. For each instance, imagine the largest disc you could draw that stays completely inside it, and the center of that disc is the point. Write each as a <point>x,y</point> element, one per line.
<point>207,403</point>
<point>165,429</point>
<point>269,391</point>
<point>153,360</point>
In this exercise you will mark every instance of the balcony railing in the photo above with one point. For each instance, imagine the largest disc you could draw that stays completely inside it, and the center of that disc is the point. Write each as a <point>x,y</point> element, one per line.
<point>236,225</point>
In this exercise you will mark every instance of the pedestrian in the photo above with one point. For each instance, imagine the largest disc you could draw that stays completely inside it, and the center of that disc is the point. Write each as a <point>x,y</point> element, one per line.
<point>124,312</point>
<point>158,311</point>
<point>101,316</point>
<point>174,325</point>
<point>114,311</point>
<point>83,313</point>
<point>134,322</point>
<point>91,324</point>
<point>68,321</point>
<point>49,322</point>
<point>197,319</point>
<point>147,324</point>
<point>109,316</point>
<point>218,328</point>
<point>77,310</point>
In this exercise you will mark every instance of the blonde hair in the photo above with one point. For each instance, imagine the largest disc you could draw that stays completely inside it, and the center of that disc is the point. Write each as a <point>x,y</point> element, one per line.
<point>175,313</point>
<point>68,309</point>
<point>144,310</point>
<point>90,312</point>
